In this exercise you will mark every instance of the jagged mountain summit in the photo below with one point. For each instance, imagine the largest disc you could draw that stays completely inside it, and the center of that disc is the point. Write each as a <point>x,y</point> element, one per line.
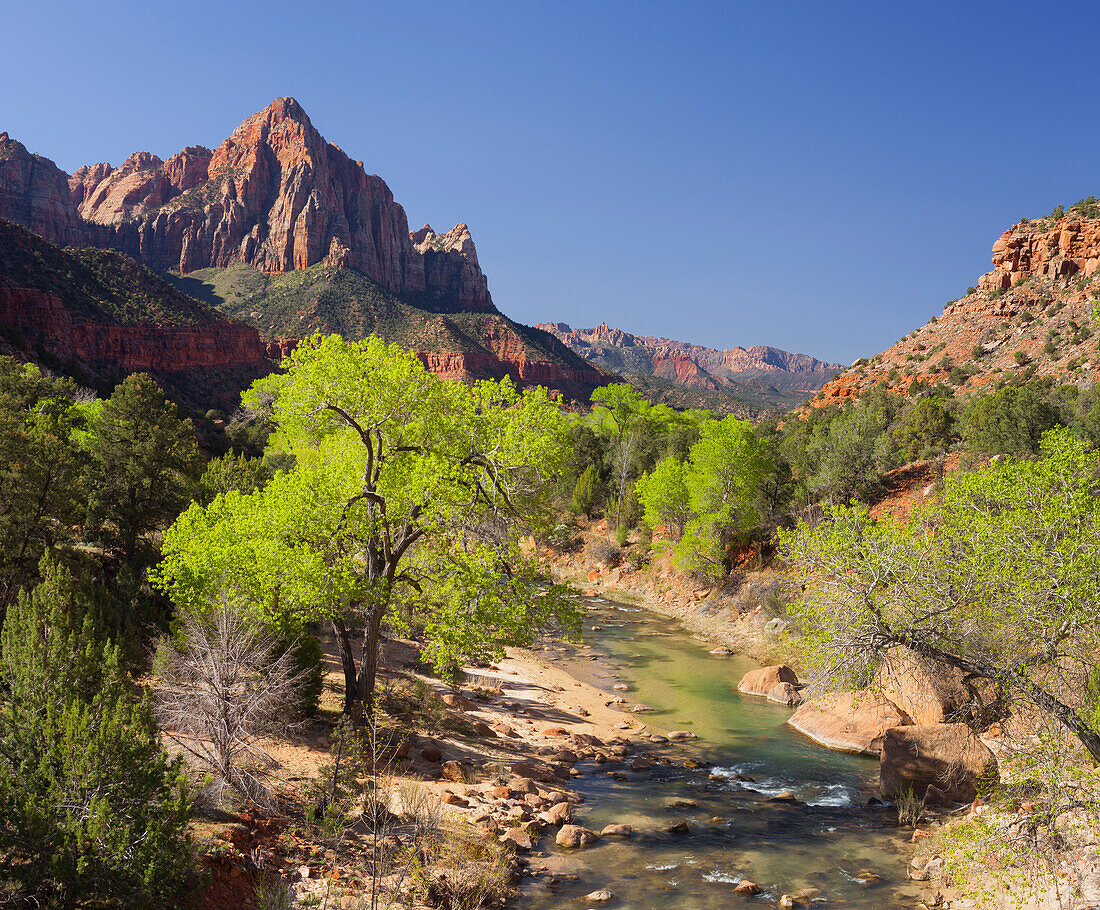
<point>756,378</point>
<point>283,231</point>
<point>1034,314</point>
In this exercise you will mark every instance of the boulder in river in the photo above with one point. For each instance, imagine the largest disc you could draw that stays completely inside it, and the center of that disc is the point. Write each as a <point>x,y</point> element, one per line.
<point>762,681</point>
<point>574,836</point>
<point>849,721</point>
<point>947,759</point>
<point>786,694</point>
<point>617,831</point>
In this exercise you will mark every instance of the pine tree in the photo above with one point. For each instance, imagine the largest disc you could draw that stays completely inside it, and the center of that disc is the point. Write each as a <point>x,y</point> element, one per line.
<point>92,811</point>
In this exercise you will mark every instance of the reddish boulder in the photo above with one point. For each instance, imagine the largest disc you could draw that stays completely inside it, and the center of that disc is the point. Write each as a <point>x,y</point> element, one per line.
<point>848,721</point>
<point>928,693</point>
<point>944,761</point>
<point>762,681</point>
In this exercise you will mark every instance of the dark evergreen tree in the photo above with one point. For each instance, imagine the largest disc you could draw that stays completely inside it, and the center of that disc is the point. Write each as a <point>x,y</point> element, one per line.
<point>92,811</point>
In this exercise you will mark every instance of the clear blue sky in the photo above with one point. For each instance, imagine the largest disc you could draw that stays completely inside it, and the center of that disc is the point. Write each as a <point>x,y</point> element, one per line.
<point>818,176</point>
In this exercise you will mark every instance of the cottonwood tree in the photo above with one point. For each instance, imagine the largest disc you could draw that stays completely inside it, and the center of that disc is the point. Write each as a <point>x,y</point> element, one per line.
<point>710,497</point>
<point>996,578</point>
<point>406,502</point>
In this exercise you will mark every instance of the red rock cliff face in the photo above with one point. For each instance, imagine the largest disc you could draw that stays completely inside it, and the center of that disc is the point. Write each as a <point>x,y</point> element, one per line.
<point>1029,249</point>
<point>141,348</point>
<point>34,192</point>
<point>1032,312</point>
<point>274,195</point>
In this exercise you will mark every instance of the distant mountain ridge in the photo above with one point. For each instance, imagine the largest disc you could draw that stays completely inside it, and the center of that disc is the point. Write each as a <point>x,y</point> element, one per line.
<point>760,376</point>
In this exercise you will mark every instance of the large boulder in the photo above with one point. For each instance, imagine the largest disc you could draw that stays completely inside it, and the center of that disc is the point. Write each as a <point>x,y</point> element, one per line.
<point>929,693</point>
<point>944,761</point>
<point>848,721</point>
<point>762,681</point>
<point>574,836</point>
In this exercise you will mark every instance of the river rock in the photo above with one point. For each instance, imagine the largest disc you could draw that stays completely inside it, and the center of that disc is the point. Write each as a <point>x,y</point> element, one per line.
<point>641,764</point>
<point>558,814</point>
<point>848,721</point>
<point>928,692</point>
<point>946,759</point>
<point>574,836</point>
<point>762,681</point>
<point>722,651</point>
<point>519,838</point>
<point>786,694</point>
<point>599,897</point>
<point>746,887</point>
<point>786,902</point>
<point>681,734</point>
<point>679,826</point>
<point>617,831</point>
<point>641,708</point>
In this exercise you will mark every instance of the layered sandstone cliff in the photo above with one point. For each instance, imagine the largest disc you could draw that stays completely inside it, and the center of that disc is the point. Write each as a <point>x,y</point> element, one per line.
<point>275,195</point>
<point>1033,313</point>
<point>34,192</point>
<point>100,315</point>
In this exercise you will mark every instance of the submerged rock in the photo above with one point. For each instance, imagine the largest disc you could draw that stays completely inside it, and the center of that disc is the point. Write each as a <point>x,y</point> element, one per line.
<point>574,837</point>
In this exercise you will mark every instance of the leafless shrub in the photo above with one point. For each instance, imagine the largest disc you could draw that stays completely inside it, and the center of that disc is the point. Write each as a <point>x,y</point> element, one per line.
<point>221,688</point>
<point>604,551</point>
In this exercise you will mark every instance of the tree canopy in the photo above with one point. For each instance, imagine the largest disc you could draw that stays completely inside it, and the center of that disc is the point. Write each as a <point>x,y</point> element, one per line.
<point>996,577</point>
<point>406,501</point>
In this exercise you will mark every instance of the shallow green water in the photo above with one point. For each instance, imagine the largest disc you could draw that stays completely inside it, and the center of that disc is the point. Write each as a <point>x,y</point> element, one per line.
<point>823,842</point>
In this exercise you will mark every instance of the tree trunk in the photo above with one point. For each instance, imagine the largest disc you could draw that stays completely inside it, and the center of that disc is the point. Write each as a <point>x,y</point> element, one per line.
<point>368,669</point>
<point>347,660</point>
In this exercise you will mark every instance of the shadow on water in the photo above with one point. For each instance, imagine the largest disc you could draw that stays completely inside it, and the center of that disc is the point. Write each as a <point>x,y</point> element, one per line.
<point>829,844</point>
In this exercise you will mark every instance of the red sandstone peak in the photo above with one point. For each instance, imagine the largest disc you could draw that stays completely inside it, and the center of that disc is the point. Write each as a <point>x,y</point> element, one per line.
<point>274,195</point>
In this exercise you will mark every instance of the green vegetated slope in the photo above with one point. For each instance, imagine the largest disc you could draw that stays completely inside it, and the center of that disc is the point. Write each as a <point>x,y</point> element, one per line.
<point>325,298</point>
<point>99,285</point>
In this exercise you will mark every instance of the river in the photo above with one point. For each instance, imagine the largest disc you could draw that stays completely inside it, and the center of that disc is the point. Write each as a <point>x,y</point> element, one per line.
<point>829,845</point>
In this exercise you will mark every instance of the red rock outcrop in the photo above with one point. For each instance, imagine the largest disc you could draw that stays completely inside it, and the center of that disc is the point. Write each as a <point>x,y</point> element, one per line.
<point>1033,311</point>
<point>946,760</point>
<point>451,268</point>
<point>131,348</point>
<point>848,721</point>
<point>34,192</point>
<point>505,353</point>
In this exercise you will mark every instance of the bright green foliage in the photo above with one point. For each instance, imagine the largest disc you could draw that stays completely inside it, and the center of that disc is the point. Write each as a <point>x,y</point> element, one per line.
<point>406,502</point>
<point>997,577</point>
<point>665,496</point>
<point>712,496</point>
<point>725,470</point>
<point>92,812</point>
<point>586,491</point>
<point>145,463</point>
